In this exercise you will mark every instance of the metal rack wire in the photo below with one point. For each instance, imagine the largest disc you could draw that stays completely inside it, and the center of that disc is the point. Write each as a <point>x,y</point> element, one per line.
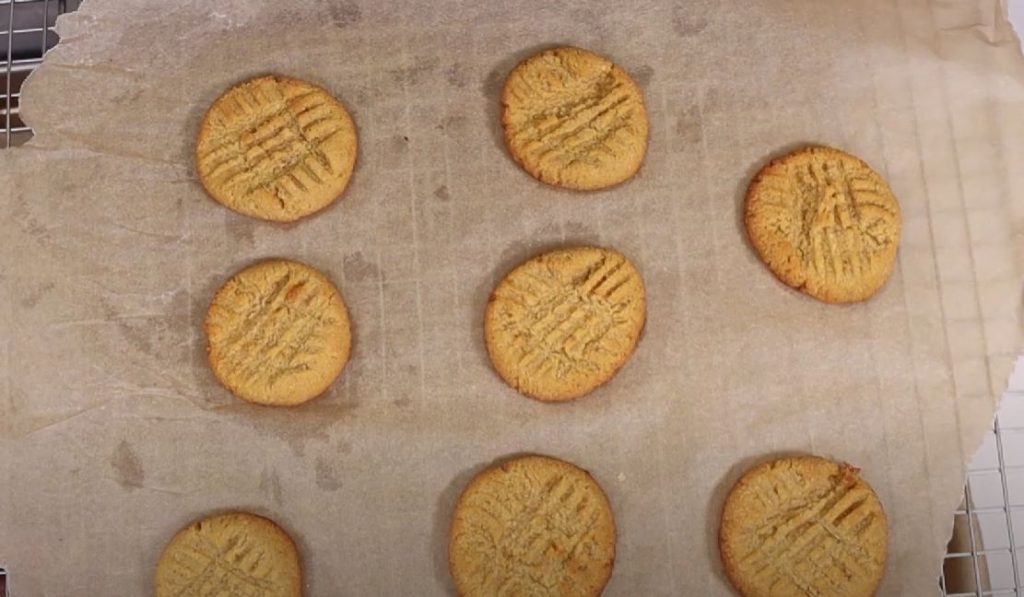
<point>26,33</point>
<point>986,554</point>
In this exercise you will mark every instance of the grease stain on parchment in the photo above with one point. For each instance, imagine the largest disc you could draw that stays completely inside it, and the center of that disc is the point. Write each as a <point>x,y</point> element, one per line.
<point>688,124</point>
<point>294,426</point>
<point>343,13</point>
<point>242,229</point>
<point>457,75</point>
<point>327,478</point>
<point>687,24</point>
<point>270,483</point>
<point>643,75</point>
<point>358,269</point>
<point>150,333</point>
<point>421,69</point>
<point>127,466</point>
<point>33,295</point>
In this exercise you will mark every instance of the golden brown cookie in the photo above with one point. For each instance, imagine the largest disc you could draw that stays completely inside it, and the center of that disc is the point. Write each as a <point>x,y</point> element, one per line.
<point>574,119</point>
<point>803,526</point>
<point>563,323</point>
<point>532,526</point>
<point>276,148</point>
<point>278,333</point>
<point>227,555</point>
<point>825,223</point>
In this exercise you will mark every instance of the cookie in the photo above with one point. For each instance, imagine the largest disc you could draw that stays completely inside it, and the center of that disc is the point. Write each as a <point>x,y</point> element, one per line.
<point>278,333</point>
<point>574,119</point>
<point>532,526</point>
<point>803,526</point>
<point>230,554</point>
<point>276,148</point>
<point>825,223</point>
<point>563,323</point>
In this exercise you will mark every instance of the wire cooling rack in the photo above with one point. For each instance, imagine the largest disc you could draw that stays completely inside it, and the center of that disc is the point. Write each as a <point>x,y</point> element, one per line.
<point>26,33</point>
<point>986,553</point>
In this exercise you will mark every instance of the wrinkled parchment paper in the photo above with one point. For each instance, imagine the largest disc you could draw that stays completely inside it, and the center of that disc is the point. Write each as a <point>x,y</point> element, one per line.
<point>113,432</point>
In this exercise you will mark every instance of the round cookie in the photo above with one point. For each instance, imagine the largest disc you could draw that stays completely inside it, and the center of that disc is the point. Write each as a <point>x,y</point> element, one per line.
<point>278,333</point>
<point>276,148</point>
<point>803,526</point>
<point>574,119</point>
<point>532,526</point>
<point>825,223</point>
<point>231,554</point>
<point>563,323</point>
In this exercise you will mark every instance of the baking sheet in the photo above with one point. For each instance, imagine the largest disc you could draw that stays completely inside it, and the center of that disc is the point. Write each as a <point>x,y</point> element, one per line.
<point>114,433</point>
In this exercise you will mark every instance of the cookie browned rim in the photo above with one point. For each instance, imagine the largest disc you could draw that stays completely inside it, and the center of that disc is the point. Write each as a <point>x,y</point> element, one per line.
<point>588,135</point>
<point>575,555</point>
<point>781,512</point>
<point>824,222</point>
<point>563,323</point>
<point>276,148</point>
<point>239,546</point>
<point>278,333</point>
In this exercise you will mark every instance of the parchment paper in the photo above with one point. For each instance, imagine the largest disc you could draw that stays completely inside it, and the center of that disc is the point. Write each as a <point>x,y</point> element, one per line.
<point>113,432</point>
